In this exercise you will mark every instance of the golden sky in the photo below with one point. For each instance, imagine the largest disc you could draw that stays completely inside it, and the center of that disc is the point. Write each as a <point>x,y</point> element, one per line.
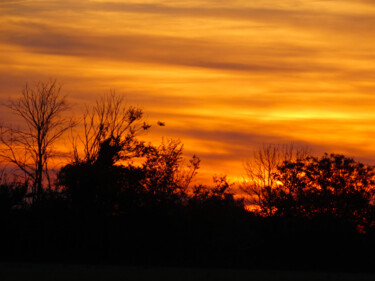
<point>225,76</point>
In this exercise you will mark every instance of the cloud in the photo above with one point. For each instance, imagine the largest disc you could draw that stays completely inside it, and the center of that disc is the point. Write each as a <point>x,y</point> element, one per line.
<point>304,18</point>
<point>40,38</point>
<point>224,76</point>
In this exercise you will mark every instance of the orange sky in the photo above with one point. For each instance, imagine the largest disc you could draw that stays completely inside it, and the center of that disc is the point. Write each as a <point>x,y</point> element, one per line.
<point>225,76</point>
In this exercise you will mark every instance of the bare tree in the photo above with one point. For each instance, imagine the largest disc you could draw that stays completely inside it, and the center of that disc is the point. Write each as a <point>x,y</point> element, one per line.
<point>110,124</point>
<point>29,148</point>
<point>261,172</point>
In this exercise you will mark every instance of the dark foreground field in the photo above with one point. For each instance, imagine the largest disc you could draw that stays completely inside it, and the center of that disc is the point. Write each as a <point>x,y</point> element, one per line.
<point>57,272</point>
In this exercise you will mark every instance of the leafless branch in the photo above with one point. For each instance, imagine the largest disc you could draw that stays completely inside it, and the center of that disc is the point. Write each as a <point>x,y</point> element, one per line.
<point>30,148</point>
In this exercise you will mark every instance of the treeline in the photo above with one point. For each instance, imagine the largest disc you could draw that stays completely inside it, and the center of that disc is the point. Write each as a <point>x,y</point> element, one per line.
<point>121,200</point>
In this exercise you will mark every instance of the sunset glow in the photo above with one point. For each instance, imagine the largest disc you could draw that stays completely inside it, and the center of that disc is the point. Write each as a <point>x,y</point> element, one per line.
<point>224,76</point>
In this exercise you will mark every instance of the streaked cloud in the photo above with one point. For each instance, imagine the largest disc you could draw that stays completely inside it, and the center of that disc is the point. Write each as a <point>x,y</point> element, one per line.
<point>225,77</point>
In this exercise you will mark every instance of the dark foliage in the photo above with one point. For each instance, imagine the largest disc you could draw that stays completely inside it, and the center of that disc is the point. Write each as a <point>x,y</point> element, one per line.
<point>128,202</point>
<point>106,212</point>
<point>12,196</point>
<point>332,185</point>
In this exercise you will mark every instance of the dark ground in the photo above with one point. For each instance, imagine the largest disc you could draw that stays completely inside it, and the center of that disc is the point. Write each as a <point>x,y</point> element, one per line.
<point>64,272</point>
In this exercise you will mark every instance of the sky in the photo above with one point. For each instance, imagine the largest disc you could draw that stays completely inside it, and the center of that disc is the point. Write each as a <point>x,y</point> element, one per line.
<point>225,76</point>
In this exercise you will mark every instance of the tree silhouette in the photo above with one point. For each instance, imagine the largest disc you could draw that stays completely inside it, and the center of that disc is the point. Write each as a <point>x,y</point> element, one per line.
<point>166,178</point>
<point>262,171</point>
<point>95,178</point>
<point>29,148</point>
<point>124,201</point>
<point>110,131</point>
<point>12,194</point>
<point>332,185</point>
